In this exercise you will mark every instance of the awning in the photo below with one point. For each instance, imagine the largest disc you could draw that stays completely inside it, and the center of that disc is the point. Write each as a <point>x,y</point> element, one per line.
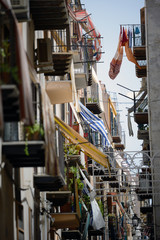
<point>59,91</point>
<point>94,122</point>
<point>86,146</point>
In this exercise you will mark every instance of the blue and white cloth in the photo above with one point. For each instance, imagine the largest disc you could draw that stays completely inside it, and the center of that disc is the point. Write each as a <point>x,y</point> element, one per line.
<point>95,123</point>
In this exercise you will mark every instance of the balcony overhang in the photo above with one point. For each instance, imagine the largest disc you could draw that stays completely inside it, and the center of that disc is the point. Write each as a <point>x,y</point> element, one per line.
<point>71,234</point>
<point>49,15</point>
<point>142,195</point>
<point>119,146</point>
<point>95,171</point>
<point>59,91</point>
<point>143,134</point>
<point>94,107</point>
<point>73,160</point>
<point>139,52</point>
<point>140,73</point>
<point>80,80</point>
<point>65,220</point>
<point>145,210</point>
<point>46,183</point>
<point>61,61</point>
<point>58,198</point>
<point>92,232</point>
<point>15,153</point>
<point>116,139</point>
<point>141,117</point>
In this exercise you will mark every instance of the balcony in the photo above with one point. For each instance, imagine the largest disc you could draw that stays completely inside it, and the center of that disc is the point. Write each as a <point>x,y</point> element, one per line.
<point>140,73</point>
<point>21,10</point>
<point>58,198</point>
<point>120,146</point>
<point>141,117</point>
<point>137,40</point>
<point>69,217</point>
<point>24,151</point>
<point>92,102</point>
<point>145,210</point>
<point>146,207</point>
<point>80,79</point>
<point>48,15</point>
<point>46,182</point>
<point>118,136</point>
<point>55,179</point>
<point>143,134</point>
<point>95,233</point>
<point>61,56</point>
<point>15,153</point>
<point>144,191</point>
<point>71,234</point>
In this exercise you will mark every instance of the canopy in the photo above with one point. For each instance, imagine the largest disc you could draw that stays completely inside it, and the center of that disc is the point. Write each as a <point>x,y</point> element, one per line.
<point>81,142</point>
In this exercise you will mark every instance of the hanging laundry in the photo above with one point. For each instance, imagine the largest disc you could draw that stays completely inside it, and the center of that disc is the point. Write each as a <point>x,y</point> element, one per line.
<point>130,38</point>
<point>130,56</point>
<point>116,62</point>
<point>136,31</point>
<point>124,37</point>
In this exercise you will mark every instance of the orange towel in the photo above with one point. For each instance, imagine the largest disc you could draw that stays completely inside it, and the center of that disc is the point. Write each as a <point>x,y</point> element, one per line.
<point>130,56</point>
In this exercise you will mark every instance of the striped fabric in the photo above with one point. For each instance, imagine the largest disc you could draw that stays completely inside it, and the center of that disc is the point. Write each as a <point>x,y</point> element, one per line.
<point>95,123</point>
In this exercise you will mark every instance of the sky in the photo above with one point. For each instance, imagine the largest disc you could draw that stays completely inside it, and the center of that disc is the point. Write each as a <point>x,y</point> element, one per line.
<point>107,16</point>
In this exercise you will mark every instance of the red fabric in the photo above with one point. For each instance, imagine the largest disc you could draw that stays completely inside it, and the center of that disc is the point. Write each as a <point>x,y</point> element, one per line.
<point>124,37</point>
<point>116,62</point>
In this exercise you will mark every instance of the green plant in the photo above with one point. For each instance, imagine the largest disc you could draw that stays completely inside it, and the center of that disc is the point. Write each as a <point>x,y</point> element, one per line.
<point>89,100</point>
<point>29,134</point>
<point>94,99</point>
<point>35,128</point>
<point>86,200</point>
<point>74,170</point>
<point>70,149</point>
<point>79,184</point>
<point>76,177</point>
<point>140,109</point>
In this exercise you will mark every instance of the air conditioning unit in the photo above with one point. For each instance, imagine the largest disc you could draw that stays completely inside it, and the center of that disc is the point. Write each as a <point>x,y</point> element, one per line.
<point>21,9</point>
<point>44,55</point>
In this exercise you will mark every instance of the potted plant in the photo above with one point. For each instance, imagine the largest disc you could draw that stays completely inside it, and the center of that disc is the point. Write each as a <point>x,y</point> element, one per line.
<point>71,149</point>
<point>89,100</point>
<point>33,132</point>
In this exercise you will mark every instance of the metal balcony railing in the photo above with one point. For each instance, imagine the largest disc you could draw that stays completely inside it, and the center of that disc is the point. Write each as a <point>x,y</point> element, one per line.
<point>60,41</point>
<point>136,33</point>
